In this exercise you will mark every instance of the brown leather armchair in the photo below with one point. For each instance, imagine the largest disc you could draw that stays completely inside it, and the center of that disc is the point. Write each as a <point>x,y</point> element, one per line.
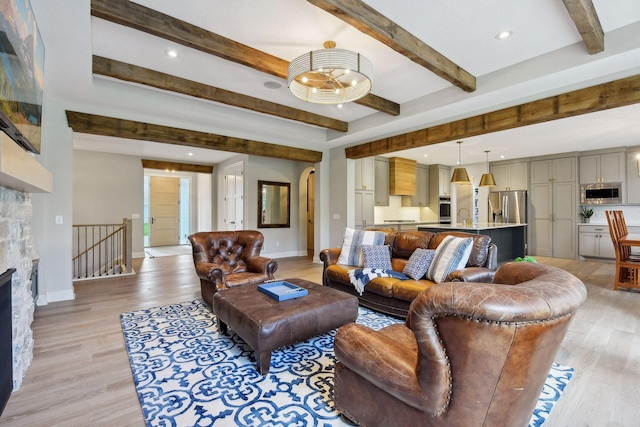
<point>469,354</point>
<point>224,259</point>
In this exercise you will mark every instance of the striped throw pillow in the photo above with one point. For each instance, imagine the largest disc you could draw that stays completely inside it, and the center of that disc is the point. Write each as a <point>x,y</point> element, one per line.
<point>451,254</point>
<point>351,253</point>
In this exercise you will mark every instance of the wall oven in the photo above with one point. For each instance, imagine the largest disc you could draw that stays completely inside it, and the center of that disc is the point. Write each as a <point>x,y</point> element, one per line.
<point>602,193</point>
<point>444,210</point>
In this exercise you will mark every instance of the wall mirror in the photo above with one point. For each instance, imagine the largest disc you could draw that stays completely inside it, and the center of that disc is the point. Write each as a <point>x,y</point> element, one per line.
<point>274,204</point>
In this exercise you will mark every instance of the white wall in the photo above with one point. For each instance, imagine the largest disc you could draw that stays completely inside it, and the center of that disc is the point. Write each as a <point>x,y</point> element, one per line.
<point>108,188</point>
<point>204,194</point>
<point>278,242</point>
<point>53,241</point>
<point>340,205</point>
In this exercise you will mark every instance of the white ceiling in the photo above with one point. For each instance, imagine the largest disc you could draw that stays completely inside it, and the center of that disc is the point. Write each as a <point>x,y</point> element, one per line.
<point>544,57</point>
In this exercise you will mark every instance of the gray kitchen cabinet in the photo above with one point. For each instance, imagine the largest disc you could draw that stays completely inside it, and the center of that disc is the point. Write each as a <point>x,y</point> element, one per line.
<point>365,174</point>
<point>511,176</point>
<point>633,177</point>
<point>594,241</point>
<point>554,204</point>
<point>364,192</point>
<point>364,207</point>
<point>421,199</point>
<point>444,181</point>
<point>381,168</point>
<point>609,167</point>
<point>553,170</point>
<point>439,181</point>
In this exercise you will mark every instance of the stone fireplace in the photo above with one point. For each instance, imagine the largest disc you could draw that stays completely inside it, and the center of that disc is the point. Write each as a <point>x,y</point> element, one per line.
<point>20,175</point>
<point>17,251</point>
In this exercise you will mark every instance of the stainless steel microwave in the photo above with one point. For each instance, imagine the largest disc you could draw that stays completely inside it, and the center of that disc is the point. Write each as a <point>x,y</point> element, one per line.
<point>602,193</point>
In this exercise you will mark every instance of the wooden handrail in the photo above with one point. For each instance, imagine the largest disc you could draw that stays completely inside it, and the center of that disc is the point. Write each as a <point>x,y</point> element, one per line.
<point>108,252</point>
<point>101,241</point>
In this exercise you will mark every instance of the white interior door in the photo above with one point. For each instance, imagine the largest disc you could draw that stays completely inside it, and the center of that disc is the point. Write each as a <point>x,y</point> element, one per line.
<point>164,210</point>
<point>234,197</point>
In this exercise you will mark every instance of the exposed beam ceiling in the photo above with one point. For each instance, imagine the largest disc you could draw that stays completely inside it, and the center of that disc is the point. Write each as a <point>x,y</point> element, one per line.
<point>145,76</point>
<point>120,128</point>
<point>366,19</point>
<point>175,166</point>
<point>618,93</point>
<point>586,19</point>
<point>127,13</point>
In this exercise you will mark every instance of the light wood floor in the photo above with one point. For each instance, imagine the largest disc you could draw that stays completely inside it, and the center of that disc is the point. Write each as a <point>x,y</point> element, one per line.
<point>80,375</point>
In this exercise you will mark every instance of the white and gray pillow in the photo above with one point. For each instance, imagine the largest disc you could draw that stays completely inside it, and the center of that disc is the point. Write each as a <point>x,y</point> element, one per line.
<point>451,254</point>
<point>418,263</point>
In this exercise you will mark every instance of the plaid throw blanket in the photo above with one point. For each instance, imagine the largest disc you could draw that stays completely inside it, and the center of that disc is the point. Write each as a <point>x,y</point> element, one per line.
<point>359,277</point>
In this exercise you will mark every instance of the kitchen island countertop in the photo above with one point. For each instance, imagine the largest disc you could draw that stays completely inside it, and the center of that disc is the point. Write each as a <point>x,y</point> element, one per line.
<point>473,227</point>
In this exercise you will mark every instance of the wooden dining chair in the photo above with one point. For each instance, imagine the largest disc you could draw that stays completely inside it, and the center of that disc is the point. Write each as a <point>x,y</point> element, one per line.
<point>627,264</point>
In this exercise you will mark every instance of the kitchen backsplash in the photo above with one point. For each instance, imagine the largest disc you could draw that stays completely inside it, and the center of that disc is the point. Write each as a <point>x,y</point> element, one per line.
<point>396,211</point>
<point>631,214</point>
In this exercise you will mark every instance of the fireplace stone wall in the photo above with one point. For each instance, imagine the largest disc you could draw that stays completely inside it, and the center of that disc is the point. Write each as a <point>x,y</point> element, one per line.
<point>17,250</point>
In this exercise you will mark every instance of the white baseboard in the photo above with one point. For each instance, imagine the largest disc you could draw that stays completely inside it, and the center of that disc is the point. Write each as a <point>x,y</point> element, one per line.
<point>56,297</point>
<point>282,254</point>
<point>138,255</point>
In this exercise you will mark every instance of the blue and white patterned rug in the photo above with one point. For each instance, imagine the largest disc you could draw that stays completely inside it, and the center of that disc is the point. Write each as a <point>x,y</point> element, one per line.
<point>188,375</point>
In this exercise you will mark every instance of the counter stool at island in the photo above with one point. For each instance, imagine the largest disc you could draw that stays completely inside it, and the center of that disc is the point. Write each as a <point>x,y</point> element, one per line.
<point>267,324</point>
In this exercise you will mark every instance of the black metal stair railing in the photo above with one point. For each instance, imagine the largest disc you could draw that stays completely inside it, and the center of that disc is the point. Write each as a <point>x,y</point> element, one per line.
<point>102,250</point>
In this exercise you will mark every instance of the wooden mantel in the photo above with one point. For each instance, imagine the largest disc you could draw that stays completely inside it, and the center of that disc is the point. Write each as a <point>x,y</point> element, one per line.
<point>21,171</point>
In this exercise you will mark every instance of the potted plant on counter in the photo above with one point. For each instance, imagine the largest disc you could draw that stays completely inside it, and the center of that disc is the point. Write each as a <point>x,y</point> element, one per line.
<point>586,214</point>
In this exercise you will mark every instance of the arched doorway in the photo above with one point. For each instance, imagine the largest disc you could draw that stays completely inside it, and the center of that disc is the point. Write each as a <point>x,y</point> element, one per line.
<point>307,208</point>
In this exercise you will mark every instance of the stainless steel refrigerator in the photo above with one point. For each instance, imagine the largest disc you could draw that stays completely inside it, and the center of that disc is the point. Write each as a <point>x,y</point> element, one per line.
<point>508,207</point>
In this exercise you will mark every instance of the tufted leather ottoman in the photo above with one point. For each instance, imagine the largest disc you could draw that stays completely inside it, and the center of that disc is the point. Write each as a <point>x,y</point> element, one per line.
<point>266,324</point>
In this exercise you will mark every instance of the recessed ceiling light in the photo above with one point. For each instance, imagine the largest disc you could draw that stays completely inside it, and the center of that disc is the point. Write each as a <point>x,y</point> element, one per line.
<point>189,154</point>
<point>426,155</point>
<point>502,157</point>
<point>272,85</point>
<point>171,53</point>
<point>504,35</point>
<point>340,105</point>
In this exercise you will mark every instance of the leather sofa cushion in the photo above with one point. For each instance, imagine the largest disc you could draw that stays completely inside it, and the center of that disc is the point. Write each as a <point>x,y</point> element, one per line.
<point>479,250</point>
<point>405,290</point>
<point>408,290</point>
<point>406,242</point>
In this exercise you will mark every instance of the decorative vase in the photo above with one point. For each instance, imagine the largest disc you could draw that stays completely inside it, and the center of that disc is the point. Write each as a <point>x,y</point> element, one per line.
<point>586,220</point>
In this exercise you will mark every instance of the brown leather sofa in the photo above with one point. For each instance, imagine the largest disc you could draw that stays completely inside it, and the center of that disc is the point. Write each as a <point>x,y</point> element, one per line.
<point>470,354</point>
<point>394,296</point>
<point>224,259</point>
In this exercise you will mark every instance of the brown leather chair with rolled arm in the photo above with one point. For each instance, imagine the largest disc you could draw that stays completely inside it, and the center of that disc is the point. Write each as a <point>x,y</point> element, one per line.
<point>224,259</point>
<point>469,354</point>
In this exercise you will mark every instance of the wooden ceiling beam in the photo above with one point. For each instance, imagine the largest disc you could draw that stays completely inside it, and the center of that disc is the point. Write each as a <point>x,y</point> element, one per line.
<point>176,166</point>
<point>133,15</point>
<point>366,19</point>
<point>133,73</point>
<point>587,22</point>
<point>121,128</point>
<point>618,93</point>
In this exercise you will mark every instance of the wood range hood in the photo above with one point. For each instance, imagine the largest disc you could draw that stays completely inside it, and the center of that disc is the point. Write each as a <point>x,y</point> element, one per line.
<point>402,177</point>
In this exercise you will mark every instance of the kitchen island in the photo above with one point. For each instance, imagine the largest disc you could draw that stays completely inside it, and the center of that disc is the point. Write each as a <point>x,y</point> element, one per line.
<point>403,225</point>
<point>509,238</point>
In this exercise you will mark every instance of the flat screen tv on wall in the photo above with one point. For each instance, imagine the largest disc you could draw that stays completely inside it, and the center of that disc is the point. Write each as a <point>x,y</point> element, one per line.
<point>21,74</point>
